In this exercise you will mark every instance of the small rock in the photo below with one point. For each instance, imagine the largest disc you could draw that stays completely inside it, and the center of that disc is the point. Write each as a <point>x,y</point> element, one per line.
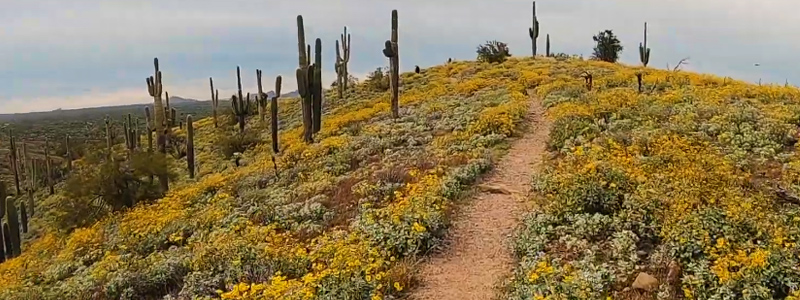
<point>645,282</point>
<point>494,189</point>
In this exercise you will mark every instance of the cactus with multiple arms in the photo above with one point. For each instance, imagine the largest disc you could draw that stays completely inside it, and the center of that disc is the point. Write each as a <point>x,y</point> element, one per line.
<point>390,50</point>
<point>261,98</point>
<point>130,133</point>
<point>533,31</point>
<point>273,111</point>
<point>240,105</point>
<point>214,101</point>
<point>190,145</point>
<point>305,78</point>
<point>155,88</point>
<point>342,59</point>
<point>644,52</point>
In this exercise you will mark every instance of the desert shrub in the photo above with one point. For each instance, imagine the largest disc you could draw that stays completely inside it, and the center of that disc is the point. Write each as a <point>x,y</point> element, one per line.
<point>378,80</point>
<point>229,144</point>
<point>493,52</point>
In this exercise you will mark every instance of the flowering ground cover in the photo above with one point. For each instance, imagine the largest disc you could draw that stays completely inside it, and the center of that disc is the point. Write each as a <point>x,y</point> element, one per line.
<point>691,181</point>
<point>336,219</point>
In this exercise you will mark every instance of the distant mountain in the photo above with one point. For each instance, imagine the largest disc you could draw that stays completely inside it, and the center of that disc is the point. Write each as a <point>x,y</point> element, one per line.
<point>180,100</point>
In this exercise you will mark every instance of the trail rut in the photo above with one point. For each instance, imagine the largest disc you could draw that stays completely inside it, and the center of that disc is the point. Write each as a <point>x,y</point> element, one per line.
<point>478,253</point>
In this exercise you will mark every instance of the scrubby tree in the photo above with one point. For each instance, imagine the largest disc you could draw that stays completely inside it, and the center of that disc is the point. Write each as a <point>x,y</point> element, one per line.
<point>493,52</point>
<point>607,46</point>
<point>118,183</point>
<point>378,80</point>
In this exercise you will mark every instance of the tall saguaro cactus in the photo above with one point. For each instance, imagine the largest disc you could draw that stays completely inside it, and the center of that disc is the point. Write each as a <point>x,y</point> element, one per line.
<point>68,153</point>
<point>12,217</point>
<point>533,31</point>
<point>342,59</point>
<point>109,139</point>
<point>273,112</point>
<point>190,145</point>
<point>149,128</point>
<point>316,85</point>
<point>390,50</point>
<point>48,166</point>
<point>155,87</point>
<point>644,52</point>
<point>548,46</point>
<point>214,101</point>
<point>130,133</point>
<point>13,155</point>
<point>261,98</point>
<point>305,79</point>
<point>7,241</point>
<point>240,105</point>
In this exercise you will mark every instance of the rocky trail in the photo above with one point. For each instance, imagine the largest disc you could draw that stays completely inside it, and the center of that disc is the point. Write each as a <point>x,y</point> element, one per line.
<point>477,255</point>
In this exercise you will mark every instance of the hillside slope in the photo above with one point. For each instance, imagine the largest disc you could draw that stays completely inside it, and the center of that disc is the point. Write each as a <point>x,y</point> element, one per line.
<point>691,181</point>
<point>340,218</point>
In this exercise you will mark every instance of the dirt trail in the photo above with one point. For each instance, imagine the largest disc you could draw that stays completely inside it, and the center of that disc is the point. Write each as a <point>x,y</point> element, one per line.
<point>478,254</point>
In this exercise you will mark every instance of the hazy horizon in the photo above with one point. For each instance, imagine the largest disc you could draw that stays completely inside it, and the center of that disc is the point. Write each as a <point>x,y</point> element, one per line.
<point>89,53</point>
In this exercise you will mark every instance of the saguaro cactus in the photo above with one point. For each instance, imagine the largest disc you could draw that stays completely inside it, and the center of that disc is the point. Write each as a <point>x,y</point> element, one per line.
<point>168,110</point>
<point>127,128</point>
<point>155,87</point>
<point>109,139</point>
<point>261,98</point>
<point>24,216</point>
<point>316,105</point>
<point>342,59</point>
<point>48,167</point>
<point>13,155</point>
<point>390,50</point>
<point>533,31</point>
<point>2,243</point>
<point>548,46</point>
<point>644,52</point>
<point>173,117</point>
<point>273,111</point>
<point>149,129</point>
<point>305,78</point>
<point>12,217</point>
<point>8,242</point>
<point>214,101</point>
<point>190,145</point>
<point>68,153</point>
<point>240,105</point>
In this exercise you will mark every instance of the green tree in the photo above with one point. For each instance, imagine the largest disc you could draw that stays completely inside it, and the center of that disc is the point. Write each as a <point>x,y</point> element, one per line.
<point>607,46</point>
<point>493,52</point>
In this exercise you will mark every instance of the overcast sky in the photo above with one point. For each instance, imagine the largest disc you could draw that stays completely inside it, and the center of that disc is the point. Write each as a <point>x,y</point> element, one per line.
<point>80,53</point>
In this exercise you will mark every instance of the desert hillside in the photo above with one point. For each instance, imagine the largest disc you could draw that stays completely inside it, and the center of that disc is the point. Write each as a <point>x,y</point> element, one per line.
<point>688,179</point>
